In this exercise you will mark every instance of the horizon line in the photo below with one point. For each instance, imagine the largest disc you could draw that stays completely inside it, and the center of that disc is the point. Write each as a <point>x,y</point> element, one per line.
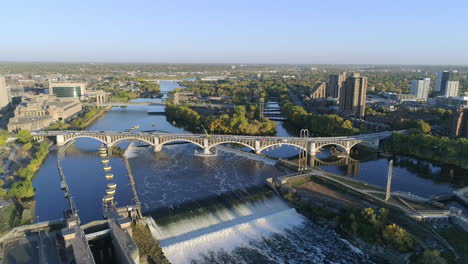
<point>225,63</point>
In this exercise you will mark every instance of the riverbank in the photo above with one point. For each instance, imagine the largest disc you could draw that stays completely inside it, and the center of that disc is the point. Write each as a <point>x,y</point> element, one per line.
<point>86,118</point>
<point>242,121</point>
<point>20,206</point>
<point>328,204</point>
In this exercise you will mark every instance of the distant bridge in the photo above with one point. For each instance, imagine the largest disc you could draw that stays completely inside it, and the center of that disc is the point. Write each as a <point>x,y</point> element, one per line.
<point>127,103</point>
<point>256,143</point>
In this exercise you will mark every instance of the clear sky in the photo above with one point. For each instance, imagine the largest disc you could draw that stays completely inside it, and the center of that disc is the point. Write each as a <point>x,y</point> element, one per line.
<point>236,31</point>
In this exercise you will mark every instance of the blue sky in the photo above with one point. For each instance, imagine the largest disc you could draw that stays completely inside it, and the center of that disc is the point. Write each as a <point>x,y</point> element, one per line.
<point>275,31</point>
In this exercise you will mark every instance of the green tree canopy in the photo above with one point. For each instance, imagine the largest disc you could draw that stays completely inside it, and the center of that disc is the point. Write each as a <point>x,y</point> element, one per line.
<point>3,137</point>
<point>430,257</point>
<point>24,136</point>
<point>22,189</point>
<point>398,238</point>
<point>423,126</point>
<point>3,193</point>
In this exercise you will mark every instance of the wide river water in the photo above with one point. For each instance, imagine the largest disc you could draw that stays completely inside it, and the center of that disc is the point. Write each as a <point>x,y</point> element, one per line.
<point>216,210</point>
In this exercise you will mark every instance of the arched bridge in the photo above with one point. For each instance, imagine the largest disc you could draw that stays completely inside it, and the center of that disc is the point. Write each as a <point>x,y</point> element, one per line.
<point>257,143</point>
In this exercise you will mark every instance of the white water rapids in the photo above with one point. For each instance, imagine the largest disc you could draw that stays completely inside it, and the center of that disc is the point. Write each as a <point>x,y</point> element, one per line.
<point>264,231</point>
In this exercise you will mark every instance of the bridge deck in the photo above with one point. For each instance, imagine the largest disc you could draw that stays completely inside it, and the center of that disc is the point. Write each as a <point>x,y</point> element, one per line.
<point>153,134</point>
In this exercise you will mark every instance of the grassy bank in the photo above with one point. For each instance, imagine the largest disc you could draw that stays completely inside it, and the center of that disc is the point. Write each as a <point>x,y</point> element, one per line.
<point>429,147</point>
<point>381,231</point>
<point>9,218</point>
<point>458,239</point>
<point>148,247</point>
<point>243,121</point>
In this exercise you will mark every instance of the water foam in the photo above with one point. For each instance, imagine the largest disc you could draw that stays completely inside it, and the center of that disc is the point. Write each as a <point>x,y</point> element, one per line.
<point>227,239</point>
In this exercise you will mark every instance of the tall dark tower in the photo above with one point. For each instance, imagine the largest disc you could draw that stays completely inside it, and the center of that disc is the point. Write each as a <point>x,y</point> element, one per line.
<point>353,96</point>
<point>335,84</point>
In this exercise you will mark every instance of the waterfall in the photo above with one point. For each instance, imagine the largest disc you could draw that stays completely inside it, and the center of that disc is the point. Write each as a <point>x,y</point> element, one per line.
<point>262,231</point>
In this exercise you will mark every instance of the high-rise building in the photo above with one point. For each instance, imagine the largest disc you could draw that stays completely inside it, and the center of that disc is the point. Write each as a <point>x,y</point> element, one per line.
<point>5,97</point>
<point>352,100</point>
<point>451,88</point>
<point>335,84</point>
<point>318,91</point>
<point>442,81</point>
<point>420,88</point>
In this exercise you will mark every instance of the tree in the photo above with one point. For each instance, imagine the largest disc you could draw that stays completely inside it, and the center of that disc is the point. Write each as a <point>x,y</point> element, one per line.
<point>424,126</point>
<point>26,217</point>
<point>27,146</point>
<point>2,183</point>
<point>22,189</point>
<point>398,238</point>
<point>3,137</point>
<point>3,193</point>
<point>430,257</point>
<point>24,136</point>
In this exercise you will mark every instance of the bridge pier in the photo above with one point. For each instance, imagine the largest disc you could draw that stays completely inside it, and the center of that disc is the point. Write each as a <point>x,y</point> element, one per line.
<point>257,147</point>
<point>206,151</point>
<point>312,159</point>
<point>158,148</point>
<point>311,148</point>
<point>60,140</point>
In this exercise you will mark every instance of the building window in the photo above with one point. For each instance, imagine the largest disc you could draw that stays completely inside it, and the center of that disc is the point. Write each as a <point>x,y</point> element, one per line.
<point>74,91</point>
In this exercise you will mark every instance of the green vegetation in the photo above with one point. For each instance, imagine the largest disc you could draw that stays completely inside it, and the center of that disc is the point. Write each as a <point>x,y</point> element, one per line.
<point>415,125</point>
<point>8,218</point>
<point>150,88</point>
<point>372,227</point>
<point>24,136</point>
<point>429,257</point>
<point>122,96</point>
<point>21,189</point>
<point>322,125</point>
<point>148,247</point>
<point>241,122</point>
<point>443,149</point>
<point>308,210</point>
<point>397,238</point>
<point>79,123</point>
<point>298,181</point>
<point>241,91</point>
<point>24,188</point>
<point>3,137</point>
<point>3,193</point>
<point>458,239</point>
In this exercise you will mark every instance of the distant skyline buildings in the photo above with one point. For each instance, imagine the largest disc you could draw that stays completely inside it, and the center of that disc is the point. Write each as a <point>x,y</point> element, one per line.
<point>420,88</point>
<point>451,89</point>
<point>447,83</point>
<point>352,100</point>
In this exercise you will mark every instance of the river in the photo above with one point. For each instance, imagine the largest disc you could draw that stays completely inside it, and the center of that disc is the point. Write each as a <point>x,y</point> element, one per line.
<point>216,210</point>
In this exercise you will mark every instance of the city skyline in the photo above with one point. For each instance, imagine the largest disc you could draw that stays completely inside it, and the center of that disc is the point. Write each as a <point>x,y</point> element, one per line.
<point>299,32</point>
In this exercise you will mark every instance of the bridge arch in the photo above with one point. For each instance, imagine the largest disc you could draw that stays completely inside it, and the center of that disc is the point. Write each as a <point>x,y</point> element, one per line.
<point>231,142</point>
<point>341,147</point>
<point>83,136</point>
<point>364,143</point>
<point>280,144</point>
<point>159,146</point>
<point>131,139</point>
